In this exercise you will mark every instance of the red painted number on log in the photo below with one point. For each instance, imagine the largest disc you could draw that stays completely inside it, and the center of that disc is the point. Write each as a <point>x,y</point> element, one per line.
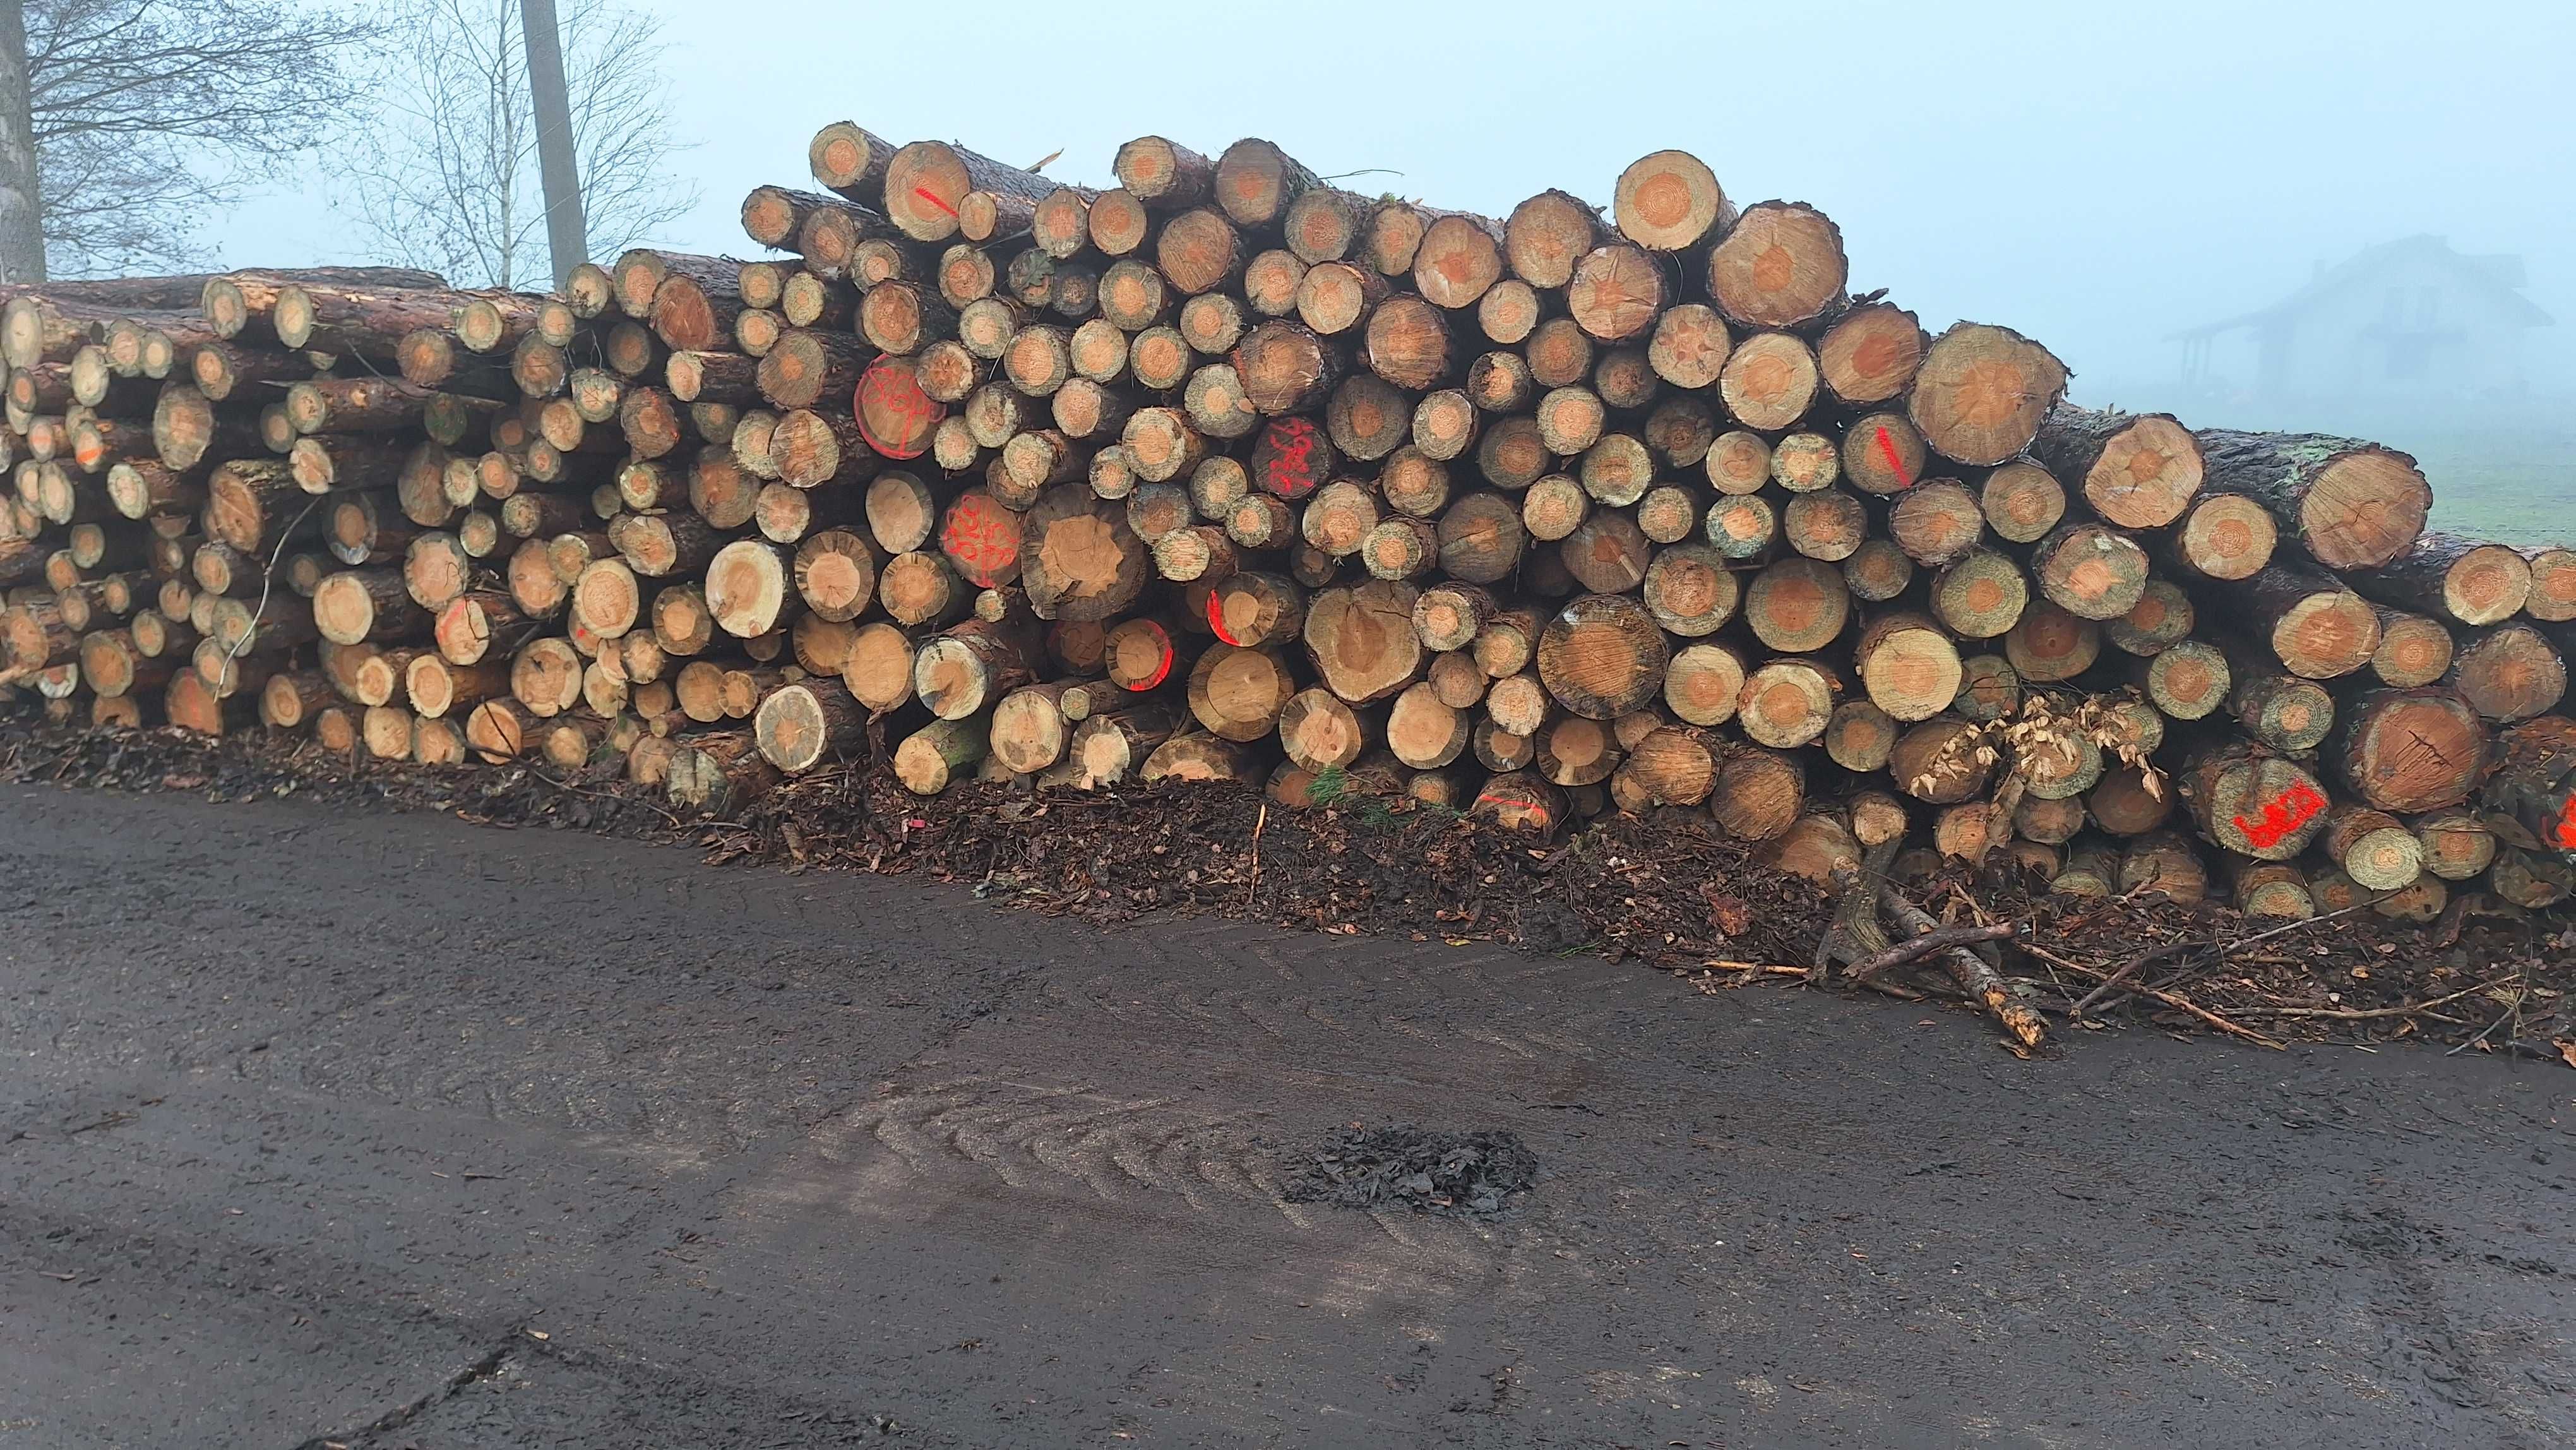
<point>932,197</point>
<point>1895,463</point>
<point>2287,812</point>
<point>984,544</point>
<point>1295,445</point>
<point>2567,826</point>
<point>893,390</point>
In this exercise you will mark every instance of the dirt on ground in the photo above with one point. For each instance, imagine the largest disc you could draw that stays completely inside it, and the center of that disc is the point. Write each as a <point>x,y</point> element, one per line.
<point>1664,890</point>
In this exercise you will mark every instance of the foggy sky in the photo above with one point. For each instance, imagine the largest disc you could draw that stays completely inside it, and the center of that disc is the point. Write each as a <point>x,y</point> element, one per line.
<point>2095,174</point>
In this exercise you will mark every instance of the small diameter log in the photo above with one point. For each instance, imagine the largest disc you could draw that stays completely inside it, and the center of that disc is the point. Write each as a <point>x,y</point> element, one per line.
<point>1078,559</point>
<point>1871,353</point>
<point>2283,712</point>
<point>2374,848</point>
<point>1252,609</point>
<point>2162,618</point>
<point>1617,294</point>
<point>1769,382</point>
<point>2138,472</point>
<point>1028,732</point>
<point>800,726</point>
<point>1320,732</point>
<point>1936,762</point>
<point>1982,392</point>
<point>1909,666</point>
<point>1787,703</point>
<point>1936,522</point>
<point>1689,590</point>
<point>2453,578</point>
<point>2226,536</point>
<point>966,670</point>
<point>2412,650</point>
<point>1883,455</point>
<point>2510,673</point>
<point>2189,680</point>
<point>1201,759</point>
<point>938,755</point>
<point>1198,251</point>
<point>359,606</point>
<point>2351,505</point>
<point>2263,806</point>
<point>1459,257</point>
<point>2090,571</point>
<point>2047,644</point>
<point>1520,801</point>
<point>2021,501</point>
<point>2553,584</point>
<point>1669,201</point>
<point>438,689</point>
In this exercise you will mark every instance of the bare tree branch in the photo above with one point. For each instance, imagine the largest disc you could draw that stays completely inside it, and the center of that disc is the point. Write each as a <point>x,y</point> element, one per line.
<point>449,177</point>
<point>145,113</point>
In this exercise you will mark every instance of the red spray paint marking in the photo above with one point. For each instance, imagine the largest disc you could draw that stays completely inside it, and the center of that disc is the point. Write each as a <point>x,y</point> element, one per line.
<point>1216,623</point>
<point>894,389</point>
<point>1162,671</point>
<point>983,545</point>
<point>2566,828</point>
<point>1895,464</point>
<point>932,197</point>
<point>2287,812</point>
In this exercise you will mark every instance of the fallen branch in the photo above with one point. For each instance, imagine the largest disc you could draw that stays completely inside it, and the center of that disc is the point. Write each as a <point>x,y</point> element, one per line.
<point>2119,979</point>
<point>2360,1014</point>
<point>2178,1003</point>
<point>1970,971</point>
<point>1938,939</point>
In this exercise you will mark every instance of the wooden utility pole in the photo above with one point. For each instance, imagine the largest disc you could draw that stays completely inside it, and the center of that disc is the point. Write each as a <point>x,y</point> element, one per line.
<point>566,230</point>
<point>22,227</point>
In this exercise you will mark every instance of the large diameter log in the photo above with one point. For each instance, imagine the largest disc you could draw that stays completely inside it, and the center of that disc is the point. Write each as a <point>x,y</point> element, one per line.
<point>2264,806</point>
<point>800,726</point>
<point>2350,504</point>
<point>2315,626</point>
<point>1601,656</point>
<point>747,590</point>
<point>1780,265</point>
<point>1078,558</point>
<point>1982,392</point>
<point>2449,577</point>
<point>2138,472</point>
<point>2509,673</point>
<point>2531,799</point>
<point>1361,640</point>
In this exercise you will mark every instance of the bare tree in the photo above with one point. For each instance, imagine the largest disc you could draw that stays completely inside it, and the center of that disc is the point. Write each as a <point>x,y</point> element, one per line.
<point>140,114</point>
<point>451,182</point>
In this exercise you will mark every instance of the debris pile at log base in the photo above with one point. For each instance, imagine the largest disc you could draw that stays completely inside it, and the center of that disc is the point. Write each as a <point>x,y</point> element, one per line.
<point>1225,475</point>
<point>1662,888</point>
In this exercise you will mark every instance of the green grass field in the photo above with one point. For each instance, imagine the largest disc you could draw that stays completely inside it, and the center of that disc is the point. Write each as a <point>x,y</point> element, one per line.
<point>2513,487</point>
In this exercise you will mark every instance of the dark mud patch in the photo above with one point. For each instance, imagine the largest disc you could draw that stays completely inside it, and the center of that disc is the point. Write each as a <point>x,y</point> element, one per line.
<point>1454,1175</point>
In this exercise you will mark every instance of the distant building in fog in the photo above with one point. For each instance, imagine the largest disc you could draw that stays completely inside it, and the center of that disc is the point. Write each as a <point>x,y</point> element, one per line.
<point>2408,319</point>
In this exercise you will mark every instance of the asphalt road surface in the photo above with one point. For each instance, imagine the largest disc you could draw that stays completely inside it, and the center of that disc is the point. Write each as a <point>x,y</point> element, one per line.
<point>382,1131</point>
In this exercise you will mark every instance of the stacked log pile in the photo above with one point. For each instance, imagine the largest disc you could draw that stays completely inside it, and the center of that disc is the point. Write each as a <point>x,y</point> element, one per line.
<point>1227,474</point>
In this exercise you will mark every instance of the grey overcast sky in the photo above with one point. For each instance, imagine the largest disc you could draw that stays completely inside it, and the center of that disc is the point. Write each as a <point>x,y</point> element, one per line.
<point>2097,174</point>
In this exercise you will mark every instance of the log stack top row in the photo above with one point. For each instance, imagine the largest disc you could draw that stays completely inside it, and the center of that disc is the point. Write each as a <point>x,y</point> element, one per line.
<point>1226,473</point>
